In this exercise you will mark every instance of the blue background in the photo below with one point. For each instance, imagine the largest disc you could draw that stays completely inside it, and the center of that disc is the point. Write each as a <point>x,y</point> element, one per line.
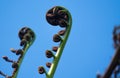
<point>89,48</point>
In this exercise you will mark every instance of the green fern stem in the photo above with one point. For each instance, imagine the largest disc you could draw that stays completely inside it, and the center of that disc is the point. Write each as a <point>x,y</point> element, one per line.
<point>25,49</point>
<point>61,46</point>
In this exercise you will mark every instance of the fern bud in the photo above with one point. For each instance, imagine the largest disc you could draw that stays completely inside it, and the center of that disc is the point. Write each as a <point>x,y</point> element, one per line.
<point>9,77</point>
<point>54,49</point>
<point>21,34</point>
<point>52,16</point>
<point>23,42</point>
<point>48,64</point>
<point>19,52</point>
<point>31,33</point>
<point>56,38</point>
<point>27,37</point>
<point>61,33</point>
<point>63,15</point>
<point>49,54</point>
<point>5,58</point>
<point>13,50</point>
<point>41,70</point>
<point>63,23</point>
<point>14,65</point>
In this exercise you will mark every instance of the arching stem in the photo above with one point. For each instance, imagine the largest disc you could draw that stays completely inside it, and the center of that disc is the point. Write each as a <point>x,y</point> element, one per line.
<point>61,47</point>
<point>20,59</point>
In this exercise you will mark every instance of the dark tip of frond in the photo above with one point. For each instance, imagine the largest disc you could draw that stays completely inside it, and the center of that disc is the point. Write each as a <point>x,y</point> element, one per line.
<point>55,15</point>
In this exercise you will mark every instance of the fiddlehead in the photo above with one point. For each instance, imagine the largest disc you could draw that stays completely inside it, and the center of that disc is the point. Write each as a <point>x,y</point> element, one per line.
<point>57,16</point>
<point>27,37</point>
<point>114,66</point>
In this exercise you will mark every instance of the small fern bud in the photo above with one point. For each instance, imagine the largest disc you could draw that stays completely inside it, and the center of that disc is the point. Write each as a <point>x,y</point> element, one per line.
<point>55,48</point>
<point>63,15</point>
<point>27,37</point>
<point>5,58</point>
<point>49,54</point>
<point>14,65</point>
<point>21,34</point>
<point>57,38</point>
<point>63,23</point>
<point>9,77</point>
<point>13,50</point>
<point>19,52</point>
<point>23,42</point>
<point>41,70</point>
<point>61,33</point>
<point>48,64</point>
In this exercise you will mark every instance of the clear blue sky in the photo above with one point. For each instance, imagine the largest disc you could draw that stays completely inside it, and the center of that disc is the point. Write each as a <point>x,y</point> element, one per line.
<point>89,48</point>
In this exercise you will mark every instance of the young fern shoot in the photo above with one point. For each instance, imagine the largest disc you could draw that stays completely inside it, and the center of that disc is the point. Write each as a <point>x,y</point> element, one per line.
<point>27,37</point>
<point>57,16</point>
<point>114,66</point>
